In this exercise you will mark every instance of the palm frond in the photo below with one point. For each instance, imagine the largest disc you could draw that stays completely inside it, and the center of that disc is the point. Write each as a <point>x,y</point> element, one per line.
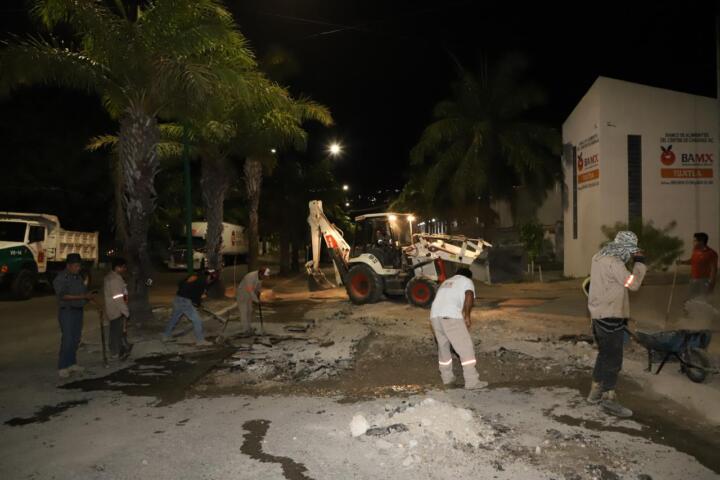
<point>37,61</point>
<point>102,142</point>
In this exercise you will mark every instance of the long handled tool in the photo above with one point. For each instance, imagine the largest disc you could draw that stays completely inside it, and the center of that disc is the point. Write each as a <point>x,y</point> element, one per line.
<point>262,329</point>
<point>101,316</point>
<point>672,290</point>
<point>262,339</point>
<point>221,338</point>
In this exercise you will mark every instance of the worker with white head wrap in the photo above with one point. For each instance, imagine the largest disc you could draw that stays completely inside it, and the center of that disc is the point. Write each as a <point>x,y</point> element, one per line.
<point>609,307</point>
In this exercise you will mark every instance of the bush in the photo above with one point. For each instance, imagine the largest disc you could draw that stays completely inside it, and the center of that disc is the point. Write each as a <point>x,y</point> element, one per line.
<point>661,249</point>
<point>531,236</point>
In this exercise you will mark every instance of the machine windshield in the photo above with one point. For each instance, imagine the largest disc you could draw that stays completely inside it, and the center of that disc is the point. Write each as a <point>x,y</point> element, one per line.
<point>401,229</point>
<point>12,231</point>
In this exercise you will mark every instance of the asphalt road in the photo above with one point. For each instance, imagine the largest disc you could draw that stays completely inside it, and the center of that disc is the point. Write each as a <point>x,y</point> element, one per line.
<point>30,332</point>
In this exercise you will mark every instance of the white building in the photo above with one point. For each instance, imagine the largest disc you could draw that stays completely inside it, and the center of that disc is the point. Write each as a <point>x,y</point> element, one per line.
<point>633,151</point>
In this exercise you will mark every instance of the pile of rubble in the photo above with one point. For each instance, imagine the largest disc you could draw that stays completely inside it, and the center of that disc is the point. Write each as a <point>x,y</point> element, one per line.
<point>412,431</point>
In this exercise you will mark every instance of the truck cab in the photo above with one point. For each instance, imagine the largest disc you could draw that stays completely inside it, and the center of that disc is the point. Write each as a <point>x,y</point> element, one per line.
<point>22,255</point>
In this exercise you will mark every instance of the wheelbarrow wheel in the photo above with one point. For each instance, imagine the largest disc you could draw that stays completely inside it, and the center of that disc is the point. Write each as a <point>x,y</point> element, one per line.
<point>699,365</point>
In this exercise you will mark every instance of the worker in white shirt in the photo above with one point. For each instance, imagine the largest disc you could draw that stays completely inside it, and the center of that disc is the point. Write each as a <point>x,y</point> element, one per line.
<point>450,317</point>
<point>116,309</point>
<point>248,293</point>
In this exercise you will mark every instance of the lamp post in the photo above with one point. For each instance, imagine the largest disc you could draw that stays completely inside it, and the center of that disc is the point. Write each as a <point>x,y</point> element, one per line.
<point>188,201</point>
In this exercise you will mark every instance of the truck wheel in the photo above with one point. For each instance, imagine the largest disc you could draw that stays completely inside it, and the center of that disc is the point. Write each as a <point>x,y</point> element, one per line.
<point>363,285</point>
<point>23,285</point>
<point>420,292</point>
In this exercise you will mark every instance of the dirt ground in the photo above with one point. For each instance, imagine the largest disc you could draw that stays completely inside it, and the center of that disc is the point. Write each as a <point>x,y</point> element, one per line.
<point>333,390</point>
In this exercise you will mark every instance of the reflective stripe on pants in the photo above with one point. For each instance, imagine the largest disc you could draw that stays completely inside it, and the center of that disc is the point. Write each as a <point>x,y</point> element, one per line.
<point>452,331</point>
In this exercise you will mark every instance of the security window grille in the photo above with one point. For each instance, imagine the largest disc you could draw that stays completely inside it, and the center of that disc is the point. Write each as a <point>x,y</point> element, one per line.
<point>634,144</point>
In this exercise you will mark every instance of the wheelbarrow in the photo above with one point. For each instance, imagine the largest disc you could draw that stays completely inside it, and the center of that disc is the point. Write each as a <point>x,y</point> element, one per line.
<point>687,346</point>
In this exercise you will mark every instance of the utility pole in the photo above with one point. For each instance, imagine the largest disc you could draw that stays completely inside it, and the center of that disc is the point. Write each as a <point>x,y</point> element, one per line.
<point>188,201</point>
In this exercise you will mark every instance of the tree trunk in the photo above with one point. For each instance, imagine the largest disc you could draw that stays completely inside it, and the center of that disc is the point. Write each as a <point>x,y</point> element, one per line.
<point>120,219</point>
<point>253,184</point>
<point>214,184</point>
<point>138,138</point>
<point>284,251</point>
<point>294,255</point>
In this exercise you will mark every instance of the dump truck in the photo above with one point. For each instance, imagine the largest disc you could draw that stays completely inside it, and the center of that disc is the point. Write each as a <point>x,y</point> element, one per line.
<point>33,249</point>
<point>234,243</point>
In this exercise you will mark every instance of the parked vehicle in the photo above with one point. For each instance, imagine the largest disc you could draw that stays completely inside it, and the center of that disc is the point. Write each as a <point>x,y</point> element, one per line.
<point>33,249</point>
<point>234,244</point>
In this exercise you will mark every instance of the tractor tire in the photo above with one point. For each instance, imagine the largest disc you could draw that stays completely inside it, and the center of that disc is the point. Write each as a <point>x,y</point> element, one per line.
<point>420,292</point>
<point>23,285</point>
<point>363,285</point>
<point>701,365</point>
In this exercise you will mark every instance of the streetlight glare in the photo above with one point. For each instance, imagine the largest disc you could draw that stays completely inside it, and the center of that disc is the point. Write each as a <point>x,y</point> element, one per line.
<point>346,187</point>
<point>272,150</point>
<point>335,149</point>
<point>347,204</point>
<point>411,218</point>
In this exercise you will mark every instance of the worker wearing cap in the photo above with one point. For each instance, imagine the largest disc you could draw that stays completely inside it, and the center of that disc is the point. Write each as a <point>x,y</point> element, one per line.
<point>116,308</point>
<point>248,293</point>
<point>450,318</point>
<point>609,306</point>
<point>72,294</point>
<point>191,290</point>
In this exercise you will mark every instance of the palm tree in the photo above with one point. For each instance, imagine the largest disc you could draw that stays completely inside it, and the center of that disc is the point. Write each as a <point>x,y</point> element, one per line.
<point>481,145</point>
<point>274,122</point>
<point>145,63</point>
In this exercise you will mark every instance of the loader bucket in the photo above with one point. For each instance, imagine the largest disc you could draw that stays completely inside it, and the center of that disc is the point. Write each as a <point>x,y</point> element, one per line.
<point>317,281</point>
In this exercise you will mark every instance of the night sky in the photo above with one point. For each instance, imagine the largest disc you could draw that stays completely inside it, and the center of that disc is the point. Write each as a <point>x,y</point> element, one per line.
<point>381,65</point>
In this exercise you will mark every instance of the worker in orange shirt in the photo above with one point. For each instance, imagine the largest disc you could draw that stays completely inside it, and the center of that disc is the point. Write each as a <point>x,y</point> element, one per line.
<point>703,266</point>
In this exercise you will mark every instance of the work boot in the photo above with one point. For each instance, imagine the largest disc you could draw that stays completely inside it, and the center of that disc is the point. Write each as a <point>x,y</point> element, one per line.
<point>448,380</point>
<point>447,375</point>
<point>76,368</point>
<point>610,405</point>
<point>64,373</point>
<point>596,394</point>
<point>126,352</point>
<point>203,343</point>
<point>475,385</point>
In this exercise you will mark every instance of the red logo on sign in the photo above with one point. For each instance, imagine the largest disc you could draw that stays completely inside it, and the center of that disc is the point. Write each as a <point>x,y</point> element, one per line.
<point>580,163</point>
<point>668,156</point>
<point>41,257</point>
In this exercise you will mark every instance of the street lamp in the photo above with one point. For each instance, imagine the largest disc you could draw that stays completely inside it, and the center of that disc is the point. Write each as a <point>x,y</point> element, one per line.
<point>272,150</point>
<point>335,149</point>
<point>346,187</point>
<point>347,204</point>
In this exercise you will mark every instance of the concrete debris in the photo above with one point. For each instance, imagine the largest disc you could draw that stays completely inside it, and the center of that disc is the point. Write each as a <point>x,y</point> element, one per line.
<point>582,338</point>
<point>358,425</point>
<point>297,328</point>
<point>394,428</point>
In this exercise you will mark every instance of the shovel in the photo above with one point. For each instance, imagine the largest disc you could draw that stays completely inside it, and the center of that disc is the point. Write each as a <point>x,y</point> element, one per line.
<point>262,340</point>
<point>101,316</point>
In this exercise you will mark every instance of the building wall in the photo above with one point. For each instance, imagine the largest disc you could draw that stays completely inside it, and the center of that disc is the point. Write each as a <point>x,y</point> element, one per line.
<point>685,124</point>
<point>581,132</point>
